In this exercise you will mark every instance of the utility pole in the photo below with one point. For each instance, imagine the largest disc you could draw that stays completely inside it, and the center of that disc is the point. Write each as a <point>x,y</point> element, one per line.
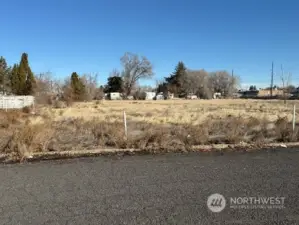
<point>272,74</point>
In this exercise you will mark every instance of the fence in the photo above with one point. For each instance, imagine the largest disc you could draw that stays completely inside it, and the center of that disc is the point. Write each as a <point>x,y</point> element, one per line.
<point>16,102</point>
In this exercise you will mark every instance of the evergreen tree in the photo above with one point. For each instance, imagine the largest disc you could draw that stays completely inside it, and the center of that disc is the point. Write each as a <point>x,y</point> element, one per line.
<point>252,88</point>
<point>176,79</point>
<point>30,84</point>
<point>115,84</point>
<point>27,81</point>
<point>77,87</point>
<point>4,76</point>
<point>14,79</point>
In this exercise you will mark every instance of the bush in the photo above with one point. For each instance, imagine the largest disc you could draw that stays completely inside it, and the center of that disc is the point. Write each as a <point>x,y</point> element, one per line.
<point>59,104</point>
<point>27,109</point>
<point>44,99</point>
<point>139,95</point>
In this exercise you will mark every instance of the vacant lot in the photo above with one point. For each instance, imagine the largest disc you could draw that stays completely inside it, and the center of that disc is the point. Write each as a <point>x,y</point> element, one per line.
<point>170,125</point>
<point>175,111</point>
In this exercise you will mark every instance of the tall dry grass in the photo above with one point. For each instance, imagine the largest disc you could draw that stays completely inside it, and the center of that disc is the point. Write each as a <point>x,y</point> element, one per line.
<point>152,126</point>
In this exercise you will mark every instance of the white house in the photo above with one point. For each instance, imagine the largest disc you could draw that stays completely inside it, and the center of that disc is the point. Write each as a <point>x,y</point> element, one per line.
<point>150,95</point>
<point>115,96</point>
<point>160,96</point>
<point>191,96</point>
<point>217,95</point>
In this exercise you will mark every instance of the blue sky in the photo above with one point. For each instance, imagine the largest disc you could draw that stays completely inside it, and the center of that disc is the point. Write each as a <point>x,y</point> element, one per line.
<point>90,36</point>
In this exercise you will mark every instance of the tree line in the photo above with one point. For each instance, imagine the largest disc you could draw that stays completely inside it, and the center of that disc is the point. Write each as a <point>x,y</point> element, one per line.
<point>20,80</point>
<point>181,82</point>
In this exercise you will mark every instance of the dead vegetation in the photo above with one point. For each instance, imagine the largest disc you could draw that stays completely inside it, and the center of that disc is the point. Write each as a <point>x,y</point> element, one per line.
<point>23,133</point>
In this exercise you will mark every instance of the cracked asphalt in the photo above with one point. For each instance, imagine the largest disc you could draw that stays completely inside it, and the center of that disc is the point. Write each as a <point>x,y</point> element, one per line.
<point>150,189</point>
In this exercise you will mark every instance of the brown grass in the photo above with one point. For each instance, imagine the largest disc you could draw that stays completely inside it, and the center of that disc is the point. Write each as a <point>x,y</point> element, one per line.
<point>153,126</point>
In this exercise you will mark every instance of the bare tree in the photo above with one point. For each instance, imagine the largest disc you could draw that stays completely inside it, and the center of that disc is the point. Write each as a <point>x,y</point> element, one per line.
<point>44,89</point>
<point>223,82</point>
<point>58,86</point>
<point>44,83</point>
<point>90,83</point>
<point>134,69</point>
<point>286,81</point>
<point>67,93</point>
<point>114,73</point>
<point>197,82</point>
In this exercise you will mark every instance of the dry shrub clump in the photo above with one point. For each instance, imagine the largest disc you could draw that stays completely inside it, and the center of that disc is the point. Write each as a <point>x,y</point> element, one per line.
<point>162,139</point>
<point>18,137</point>
<point>284,130</point>
<point>27,139</point>
<point>10,118</point>
<point>57,104</point>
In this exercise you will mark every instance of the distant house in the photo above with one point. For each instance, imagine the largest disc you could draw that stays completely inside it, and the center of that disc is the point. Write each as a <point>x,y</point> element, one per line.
<point>160,96</point>
<point>150,95</point>
<point>237,95</point>
<point>191,96</point>
<point>170,95</point>
<point>217,95</point>
<point>261,93</point>
<point>115,96</point>
<point>249,94</point>
<point>267,92</point>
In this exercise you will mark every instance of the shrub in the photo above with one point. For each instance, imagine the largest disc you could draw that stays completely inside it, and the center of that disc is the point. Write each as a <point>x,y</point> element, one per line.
<point>59,104</point>
<point>139,95</point>
<point>26,109</point>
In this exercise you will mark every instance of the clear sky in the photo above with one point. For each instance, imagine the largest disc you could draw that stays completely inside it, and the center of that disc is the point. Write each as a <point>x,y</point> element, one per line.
<point>90,36</point>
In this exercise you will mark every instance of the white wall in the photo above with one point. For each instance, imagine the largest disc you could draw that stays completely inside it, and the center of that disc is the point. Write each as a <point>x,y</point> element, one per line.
<point>15,102</point>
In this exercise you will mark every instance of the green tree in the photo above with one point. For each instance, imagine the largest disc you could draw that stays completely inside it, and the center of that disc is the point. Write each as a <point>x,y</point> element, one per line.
<point>115,84</point>
<point>252,88</point>
<point>27,81</point>
<point>176,80</point>
<point>14,79</point>
<point>78,87</point>
<point>4,76</point>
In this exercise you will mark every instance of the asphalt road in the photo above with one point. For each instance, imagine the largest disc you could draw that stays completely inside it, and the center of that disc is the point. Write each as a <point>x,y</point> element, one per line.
<point>165,189</point>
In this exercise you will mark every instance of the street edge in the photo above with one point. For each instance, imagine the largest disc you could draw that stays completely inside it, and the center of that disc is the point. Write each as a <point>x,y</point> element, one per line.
<point>214,148</point>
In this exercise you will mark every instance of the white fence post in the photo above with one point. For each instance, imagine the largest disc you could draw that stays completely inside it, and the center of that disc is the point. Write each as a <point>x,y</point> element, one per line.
<point>125,124</point>
<point>294,117</point>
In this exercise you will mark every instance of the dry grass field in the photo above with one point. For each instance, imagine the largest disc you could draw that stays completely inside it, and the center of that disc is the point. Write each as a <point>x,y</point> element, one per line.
<point>171,125</point>
<point>175,111</point>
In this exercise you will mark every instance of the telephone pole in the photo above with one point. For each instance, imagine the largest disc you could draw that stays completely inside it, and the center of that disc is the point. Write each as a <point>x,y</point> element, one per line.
<point>272,74</point>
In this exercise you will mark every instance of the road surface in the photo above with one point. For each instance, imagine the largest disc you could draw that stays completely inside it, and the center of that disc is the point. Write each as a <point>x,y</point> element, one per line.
<point>150,189</point>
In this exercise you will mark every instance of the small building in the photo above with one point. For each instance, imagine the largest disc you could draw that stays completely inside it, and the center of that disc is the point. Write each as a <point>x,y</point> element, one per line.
<point>150,95</point>
<point>191,96</point>
<point>160,96</point>
<point>170,95</point>
<point>249,94</point>
<point>267,92</point>
<point>237,95</point>
<point>115,96</point>
<point>217,95</point>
